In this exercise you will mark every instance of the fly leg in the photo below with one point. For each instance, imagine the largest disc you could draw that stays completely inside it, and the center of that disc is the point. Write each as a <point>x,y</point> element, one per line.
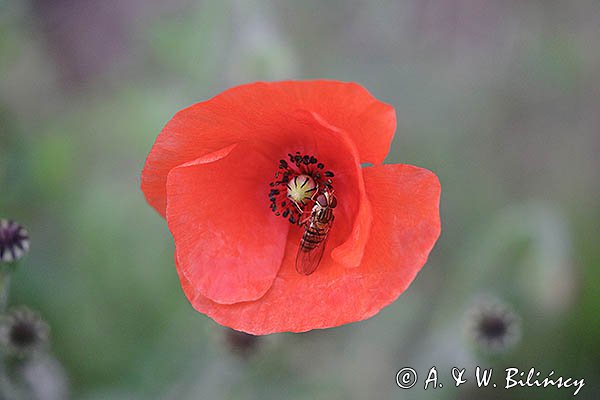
<point>300,210</point>
<point>304,221</point>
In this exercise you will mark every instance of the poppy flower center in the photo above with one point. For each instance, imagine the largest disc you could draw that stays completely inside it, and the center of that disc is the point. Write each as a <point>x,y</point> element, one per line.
<point>297,183</point>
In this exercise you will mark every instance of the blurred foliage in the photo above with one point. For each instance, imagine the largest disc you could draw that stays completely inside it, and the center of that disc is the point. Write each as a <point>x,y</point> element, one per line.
<point>498,98</point>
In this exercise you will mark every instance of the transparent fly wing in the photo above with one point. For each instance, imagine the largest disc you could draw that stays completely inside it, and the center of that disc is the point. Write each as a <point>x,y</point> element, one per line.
<point>307,260</point>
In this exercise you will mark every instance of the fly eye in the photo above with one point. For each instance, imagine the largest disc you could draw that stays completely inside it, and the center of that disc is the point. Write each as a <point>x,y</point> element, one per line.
<point>333,202</point>
<point>322,200</point>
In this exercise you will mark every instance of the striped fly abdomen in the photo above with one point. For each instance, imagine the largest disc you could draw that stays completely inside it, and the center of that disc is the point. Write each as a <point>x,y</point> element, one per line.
<point>312,238</point>
<point>316,230</point>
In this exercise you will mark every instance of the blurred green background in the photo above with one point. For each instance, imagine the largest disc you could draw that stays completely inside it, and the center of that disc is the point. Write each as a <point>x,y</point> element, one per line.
<point>500,98</point>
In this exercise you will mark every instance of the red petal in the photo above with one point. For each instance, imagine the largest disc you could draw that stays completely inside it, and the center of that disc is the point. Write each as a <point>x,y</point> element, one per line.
<point>369,122</point>
<point>218,211</point>
<point>229,244</point>
<point>406,224</point>
<point>240,112</point>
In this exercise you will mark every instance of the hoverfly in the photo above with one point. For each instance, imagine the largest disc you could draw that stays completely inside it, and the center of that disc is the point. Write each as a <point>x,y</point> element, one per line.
<point>316,229</point>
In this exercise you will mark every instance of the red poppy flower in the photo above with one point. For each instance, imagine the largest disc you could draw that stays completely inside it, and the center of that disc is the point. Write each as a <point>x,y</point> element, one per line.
<point>219,173</point>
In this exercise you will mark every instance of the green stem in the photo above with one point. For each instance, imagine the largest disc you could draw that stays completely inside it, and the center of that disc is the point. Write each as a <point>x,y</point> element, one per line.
<point>4,288</point>
<point>4,284</point>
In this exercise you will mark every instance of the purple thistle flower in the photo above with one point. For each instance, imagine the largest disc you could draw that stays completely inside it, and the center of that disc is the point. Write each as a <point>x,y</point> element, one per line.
<point>14,241</point>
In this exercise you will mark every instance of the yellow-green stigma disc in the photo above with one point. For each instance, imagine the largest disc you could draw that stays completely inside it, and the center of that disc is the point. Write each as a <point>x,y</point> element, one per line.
<point>300,189</point>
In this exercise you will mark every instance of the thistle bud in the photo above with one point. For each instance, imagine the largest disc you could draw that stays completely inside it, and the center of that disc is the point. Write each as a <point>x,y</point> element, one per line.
<point>23,332</point>
<point>241,343</point>
<point>494,326</point>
